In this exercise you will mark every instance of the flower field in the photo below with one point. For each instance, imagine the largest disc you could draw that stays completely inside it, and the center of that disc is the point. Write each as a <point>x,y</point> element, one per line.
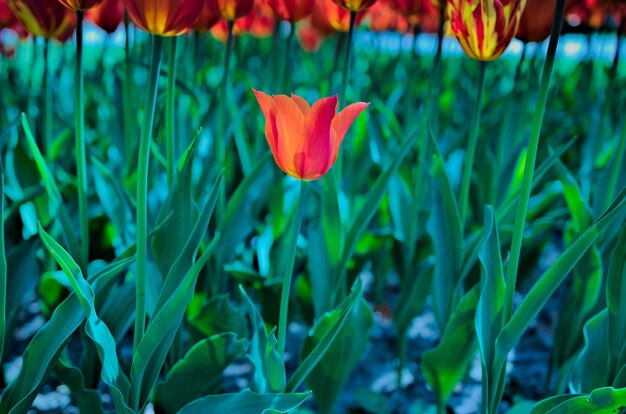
<point>312,206</point>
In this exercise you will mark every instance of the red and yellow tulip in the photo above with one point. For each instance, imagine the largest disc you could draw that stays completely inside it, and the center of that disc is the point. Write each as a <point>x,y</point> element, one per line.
<point>165,17</point>
<point>108,15</point>
<point>484,28</point>
<point>231,10</point>
<point>291,10</point>
<point>45,18</point>
<point>305,139</point>
<point>355,5</point>
<point>80,5</point>
<point>327,14</point>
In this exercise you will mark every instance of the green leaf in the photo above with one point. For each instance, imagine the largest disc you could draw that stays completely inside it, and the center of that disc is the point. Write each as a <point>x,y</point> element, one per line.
<point>600,401</point>
<point>444,227</point>
<point>553,277</point>
<point>543,407</point>
<point>269,368</point>
<point>592,367</point>
<point>150,355</point>
<point>198,371</point>
<point>330,374</point>
<point>615,299</point>
<point>3,267</point>
<point>245,402</point>
<point>327,341</point>
<point>112,373</point>
<point>87,400</point>
<point>54,195</point>
<point>490,308</point>
<point>446,364</point>
<point>218,315</point>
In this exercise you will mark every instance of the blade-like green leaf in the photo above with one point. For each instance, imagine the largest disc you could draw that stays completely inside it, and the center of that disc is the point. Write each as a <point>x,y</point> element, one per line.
<point>200,368</point>
<point>112,373</point>
<point>446,364</point>
<point>600,401</point>
<point>592,367</point>
<point>87,400</point>
<point>245,402</point>
<point>616,298</point>
<point>553,277</point>
<point>3,266</point>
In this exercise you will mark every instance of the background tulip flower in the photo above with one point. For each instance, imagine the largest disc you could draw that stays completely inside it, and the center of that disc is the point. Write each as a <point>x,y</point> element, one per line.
<point>355,5</point>
<point>165,17</point>
<point>7,18</point>
<point>49,19</point>
<point>206,20</point>
<point>108,15</point>
<point>291,10</point>
<point>80,5</point>
<point>484,28</point>
<point>536,20</point>
<point>231,10</point>
<point>305,139</point>
<point>326,13</point>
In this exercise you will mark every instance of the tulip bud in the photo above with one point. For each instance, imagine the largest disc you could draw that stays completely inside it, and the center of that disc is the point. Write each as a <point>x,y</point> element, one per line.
<point>80,5</point>
<point>536,22</point>
<point>327,14</point>
<point>206,20</point>
<point>355,5</point>
<point>7,18</point>
<point>231,10</point>
<point>291,10</point>
<point>484,28</point>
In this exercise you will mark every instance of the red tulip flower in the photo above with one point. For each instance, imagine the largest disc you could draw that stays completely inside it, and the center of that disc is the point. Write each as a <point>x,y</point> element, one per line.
<point>108,15</point>
<point>536,22</point>
<point>291,10</point>
<point>7,18</point>
<point>206,20</point>
<point>310,36</point>
<point>164,17</point>
<point>484,28</point>
<point>231,10</point>
<point>45,18</point>
<point>80,5</point>
<point>355,5</point>
<point>305,139</point>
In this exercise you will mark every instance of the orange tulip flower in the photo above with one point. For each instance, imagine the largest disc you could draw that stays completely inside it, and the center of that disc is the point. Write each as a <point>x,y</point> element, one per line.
<point>108,15</point>
<point>383,17</point>
<point>355,5</point>
<point>484,28</point>
<point>45,18</point>
<point>164,17</point>
<point>231,10</point>
<point>305,139</point>
<point>80,5</point>
<point>326,13</point>
<point>310,37</point>
<point>291,10</point>
<point>536,22</point>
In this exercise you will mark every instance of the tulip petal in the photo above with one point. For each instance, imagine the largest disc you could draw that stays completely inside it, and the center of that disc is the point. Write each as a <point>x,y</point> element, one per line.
<point>302,104</point>
<point>318,147</point>
<point>342,121</point>
<point>291,137</point>
<point>266,102</point>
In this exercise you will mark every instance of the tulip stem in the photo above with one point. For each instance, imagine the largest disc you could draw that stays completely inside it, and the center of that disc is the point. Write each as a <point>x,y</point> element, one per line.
<point>47,101</point>
<point>468,165</point>
<point>288,56</point>
<point>287,276</point>
<point>220,139</point>
<point>81,157</point>
<point>129,139</point>
<point>531,158</point>
<point>346,72</point>
<point>169,116</point>
<point>142,190</point>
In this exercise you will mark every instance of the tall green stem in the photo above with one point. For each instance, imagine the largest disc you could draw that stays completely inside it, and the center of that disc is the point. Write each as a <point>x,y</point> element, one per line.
<point>284,295</point>
<point>220,139</point>
<point>142,189</point>
<point>531,158</point>
<point>345,80</point>
<point>468,166</point>
<point>127,91</point>
<point>169,115</point>
<point>47,102</point>
<point>81,156</point>
<point>433,102</point>
<point>288,56</point>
